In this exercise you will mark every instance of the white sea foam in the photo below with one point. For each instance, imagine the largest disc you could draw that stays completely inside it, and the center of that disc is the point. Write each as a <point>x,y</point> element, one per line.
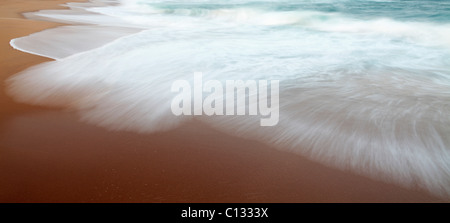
<point>69,40</point>
<point>371,96</point>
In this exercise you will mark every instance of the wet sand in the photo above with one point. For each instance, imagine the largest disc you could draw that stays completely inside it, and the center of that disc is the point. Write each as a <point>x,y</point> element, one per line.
<point>48,155</point>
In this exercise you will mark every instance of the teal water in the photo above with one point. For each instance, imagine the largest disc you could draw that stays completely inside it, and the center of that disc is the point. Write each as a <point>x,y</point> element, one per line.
<point>404,10</point>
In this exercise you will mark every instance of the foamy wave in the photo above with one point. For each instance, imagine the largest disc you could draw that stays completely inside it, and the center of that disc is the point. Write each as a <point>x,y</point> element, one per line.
<point>424,33</point>
<point>368,96</point>
<point>65,41</point>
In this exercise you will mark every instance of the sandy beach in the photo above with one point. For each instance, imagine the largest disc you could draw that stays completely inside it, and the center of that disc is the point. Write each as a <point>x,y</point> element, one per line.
<point>48,155</point>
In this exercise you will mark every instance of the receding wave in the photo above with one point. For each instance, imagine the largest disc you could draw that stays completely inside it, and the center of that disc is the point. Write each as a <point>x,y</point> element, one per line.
<point>368,95</point>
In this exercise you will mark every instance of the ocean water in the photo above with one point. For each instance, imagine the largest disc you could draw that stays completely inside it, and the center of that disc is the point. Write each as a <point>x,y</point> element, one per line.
<point>364,84</point>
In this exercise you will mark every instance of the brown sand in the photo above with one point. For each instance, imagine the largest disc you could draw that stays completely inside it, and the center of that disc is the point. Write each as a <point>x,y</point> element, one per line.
<point>47,155</point>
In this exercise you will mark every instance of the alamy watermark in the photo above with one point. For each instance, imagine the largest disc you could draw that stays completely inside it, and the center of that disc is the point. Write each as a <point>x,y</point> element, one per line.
<point>235,94</point>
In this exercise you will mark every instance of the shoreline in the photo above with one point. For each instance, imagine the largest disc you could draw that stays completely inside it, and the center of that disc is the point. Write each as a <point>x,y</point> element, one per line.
<point>48,155</point>
<point>16,25</point>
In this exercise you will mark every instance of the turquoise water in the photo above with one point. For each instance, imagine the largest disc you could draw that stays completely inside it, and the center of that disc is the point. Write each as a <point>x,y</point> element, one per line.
<point>405,10</point>
<point>364,85</point>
